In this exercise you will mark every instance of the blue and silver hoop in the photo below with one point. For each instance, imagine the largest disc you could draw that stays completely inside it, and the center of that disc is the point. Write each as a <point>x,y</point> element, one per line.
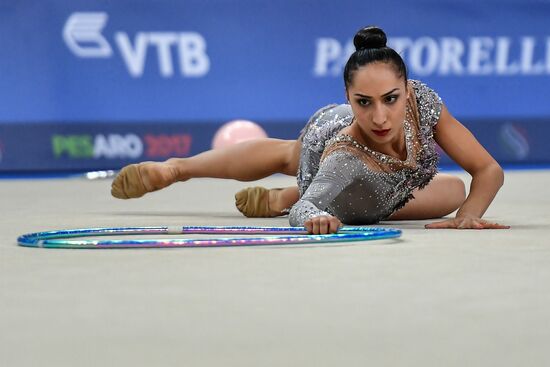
<point>270,236</point>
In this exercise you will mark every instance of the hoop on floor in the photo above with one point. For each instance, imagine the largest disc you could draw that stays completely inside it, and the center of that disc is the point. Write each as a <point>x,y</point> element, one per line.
<point>275,236</point>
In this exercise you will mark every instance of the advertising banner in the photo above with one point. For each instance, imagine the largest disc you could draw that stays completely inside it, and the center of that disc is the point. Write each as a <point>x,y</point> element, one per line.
<point>114,71</point>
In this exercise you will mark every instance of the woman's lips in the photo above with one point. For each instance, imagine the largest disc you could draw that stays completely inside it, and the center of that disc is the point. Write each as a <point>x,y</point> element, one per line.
<point>381,132</point>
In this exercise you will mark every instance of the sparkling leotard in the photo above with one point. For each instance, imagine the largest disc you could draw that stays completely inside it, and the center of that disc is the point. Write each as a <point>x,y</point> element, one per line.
<point>341,177</point>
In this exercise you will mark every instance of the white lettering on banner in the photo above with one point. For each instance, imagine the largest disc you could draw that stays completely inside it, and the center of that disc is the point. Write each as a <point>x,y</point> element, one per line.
<point>499,56</point>
<point>452,50</point>
<point>193,60</point>
<point>117,146</point>
<point>133,56</point>
<point>329,60</point>
<point>329,51</point>
<point>429,47</point>
<point>479,62</point>
<point>82,34</point>
<point>502,65</point>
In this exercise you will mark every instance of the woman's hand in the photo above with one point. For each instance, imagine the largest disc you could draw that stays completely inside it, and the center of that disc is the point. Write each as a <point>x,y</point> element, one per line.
<point>465,222</point>
<point>322,224</point>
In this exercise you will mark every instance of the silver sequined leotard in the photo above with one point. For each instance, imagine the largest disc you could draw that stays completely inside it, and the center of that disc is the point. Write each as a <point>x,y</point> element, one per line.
<point>341,177</point>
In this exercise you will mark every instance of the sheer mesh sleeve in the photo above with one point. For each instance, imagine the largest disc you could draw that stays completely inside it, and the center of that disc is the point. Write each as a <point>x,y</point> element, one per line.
<point>334,175</point>
<point>322,126</point>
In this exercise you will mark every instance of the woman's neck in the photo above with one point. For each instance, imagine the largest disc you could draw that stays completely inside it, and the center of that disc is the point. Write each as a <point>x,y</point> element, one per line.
<point>396,148</point>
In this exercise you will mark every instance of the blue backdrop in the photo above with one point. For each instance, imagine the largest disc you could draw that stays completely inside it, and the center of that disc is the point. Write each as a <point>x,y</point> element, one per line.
<point>97,84</point>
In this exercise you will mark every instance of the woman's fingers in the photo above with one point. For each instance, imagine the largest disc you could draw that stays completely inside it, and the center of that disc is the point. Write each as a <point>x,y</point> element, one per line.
<point>465,223</point>
<point>315,229</point>
<point>477,223</point>
<point>491,225</point>
<point>441,225</point>
<point>322,225</point>
<point>309,226</point>
<point>334,225</point>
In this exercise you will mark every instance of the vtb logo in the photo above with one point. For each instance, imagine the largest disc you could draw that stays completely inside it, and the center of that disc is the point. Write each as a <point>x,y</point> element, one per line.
<point>82,34</point>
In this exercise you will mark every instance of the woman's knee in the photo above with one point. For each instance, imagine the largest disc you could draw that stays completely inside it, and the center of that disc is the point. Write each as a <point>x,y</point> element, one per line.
<point>459,190</point>
<point>455,191</point>
<point>293,149</point>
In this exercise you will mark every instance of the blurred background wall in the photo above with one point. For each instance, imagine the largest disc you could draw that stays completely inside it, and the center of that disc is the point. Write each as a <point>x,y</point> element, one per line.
<point>88,85</point>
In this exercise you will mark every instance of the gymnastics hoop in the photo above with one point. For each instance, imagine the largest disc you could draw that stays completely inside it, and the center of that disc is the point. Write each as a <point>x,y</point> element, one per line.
<point>294,236</point>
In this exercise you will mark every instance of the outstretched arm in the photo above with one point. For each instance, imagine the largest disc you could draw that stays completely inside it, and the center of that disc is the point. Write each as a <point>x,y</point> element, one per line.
<point>310,211</point>
<point>487,175</point>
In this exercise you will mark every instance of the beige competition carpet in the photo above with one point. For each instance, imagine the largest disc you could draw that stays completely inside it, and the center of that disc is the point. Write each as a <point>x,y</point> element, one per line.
<point>431,298</point>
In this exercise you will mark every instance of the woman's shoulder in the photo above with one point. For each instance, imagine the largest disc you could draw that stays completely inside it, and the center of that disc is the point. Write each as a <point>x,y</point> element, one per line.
<point>423,91</point>
<point>334,110</point>
<point>325,123</point>
<point>428,102</point>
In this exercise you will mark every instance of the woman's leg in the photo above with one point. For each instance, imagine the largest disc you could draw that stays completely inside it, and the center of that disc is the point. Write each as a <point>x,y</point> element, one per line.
<point>259,202</point>
<point>443,195</point>
<point>247,161</point>
<point>283,199</point>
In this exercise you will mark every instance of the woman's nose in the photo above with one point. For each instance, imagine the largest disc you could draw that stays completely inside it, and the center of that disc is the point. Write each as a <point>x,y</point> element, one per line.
<point>379,115</point>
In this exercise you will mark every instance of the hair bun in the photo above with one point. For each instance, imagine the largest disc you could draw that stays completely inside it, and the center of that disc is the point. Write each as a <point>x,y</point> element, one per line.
<point>369,37</point>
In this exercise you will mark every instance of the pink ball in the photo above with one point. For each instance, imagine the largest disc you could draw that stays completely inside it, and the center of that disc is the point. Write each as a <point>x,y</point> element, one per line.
<point>237,131</point>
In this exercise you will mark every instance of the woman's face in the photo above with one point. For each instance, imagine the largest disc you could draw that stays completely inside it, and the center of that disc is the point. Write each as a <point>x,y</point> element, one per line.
<point>378,98</point>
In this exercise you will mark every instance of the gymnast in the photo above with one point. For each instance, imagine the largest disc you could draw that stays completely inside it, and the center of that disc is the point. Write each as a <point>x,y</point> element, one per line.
<point>369,160</point>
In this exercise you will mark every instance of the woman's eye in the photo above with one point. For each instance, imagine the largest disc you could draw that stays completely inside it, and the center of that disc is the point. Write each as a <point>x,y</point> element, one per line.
<point>362,102</point>
<point>391,99</point>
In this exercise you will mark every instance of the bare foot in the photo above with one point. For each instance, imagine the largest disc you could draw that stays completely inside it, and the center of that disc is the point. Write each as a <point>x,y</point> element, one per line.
<point>135,180</point>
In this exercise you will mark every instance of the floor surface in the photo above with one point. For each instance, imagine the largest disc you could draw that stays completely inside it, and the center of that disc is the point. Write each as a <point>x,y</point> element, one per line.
<point>431,298</point>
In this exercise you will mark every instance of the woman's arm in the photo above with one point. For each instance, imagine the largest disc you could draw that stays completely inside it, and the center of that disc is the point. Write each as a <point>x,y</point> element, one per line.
<point>487,175</point>
<point>334,175</point>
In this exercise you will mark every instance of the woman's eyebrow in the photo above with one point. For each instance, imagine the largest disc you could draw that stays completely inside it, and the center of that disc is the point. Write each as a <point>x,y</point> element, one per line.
<point>383,95</point>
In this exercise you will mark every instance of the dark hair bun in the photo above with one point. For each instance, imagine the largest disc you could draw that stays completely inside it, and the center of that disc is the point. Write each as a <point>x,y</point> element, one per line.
<point>369,37</point>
